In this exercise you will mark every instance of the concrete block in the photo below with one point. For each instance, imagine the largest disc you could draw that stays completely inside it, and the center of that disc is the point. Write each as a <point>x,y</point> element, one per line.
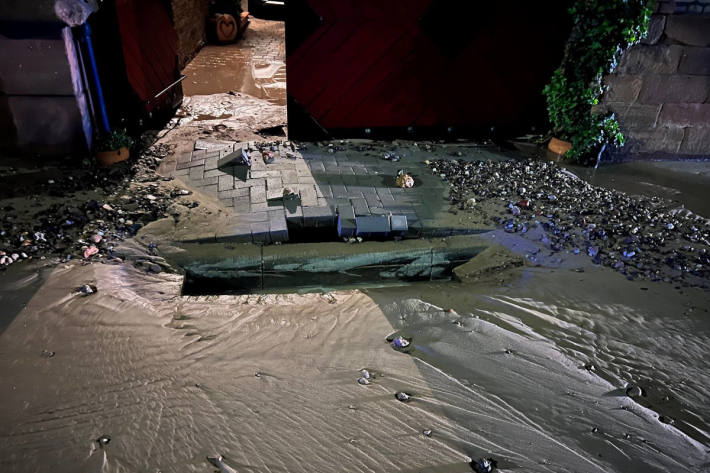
<point>318,217</point>
<point>696,142</point>
<point>689,29</point>
<point>659,89</point>
<point>372,226</point>
<point>260,232</point>
<point>294,215</point>
<point>685,115</point>
<point>695,61</point>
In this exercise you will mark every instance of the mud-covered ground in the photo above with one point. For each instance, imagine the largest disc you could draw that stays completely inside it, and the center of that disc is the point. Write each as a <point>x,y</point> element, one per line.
<point>559,365</point>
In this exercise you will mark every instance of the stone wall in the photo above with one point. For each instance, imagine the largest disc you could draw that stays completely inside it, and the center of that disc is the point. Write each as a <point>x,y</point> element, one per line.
<point>189,17</point>
<point>660,90</point>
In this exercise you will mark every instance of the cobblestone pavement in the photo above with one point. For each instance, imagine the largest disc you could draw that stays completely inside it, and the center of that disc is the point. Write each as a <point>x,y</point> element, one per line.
<point>254,65</point>
<point>325,182</point>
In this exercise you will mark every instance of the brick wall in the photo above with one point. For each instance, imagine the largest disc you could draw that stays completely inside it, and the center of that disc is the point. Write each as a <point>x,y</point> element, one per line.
<point>660,91</point>
<point>189,17</point>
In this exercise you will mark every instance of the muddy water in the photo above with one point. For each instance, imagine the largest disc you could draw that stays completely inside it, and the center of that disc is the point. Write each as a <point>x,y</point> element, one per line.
<point>254,65</point>
<point>683,182</point>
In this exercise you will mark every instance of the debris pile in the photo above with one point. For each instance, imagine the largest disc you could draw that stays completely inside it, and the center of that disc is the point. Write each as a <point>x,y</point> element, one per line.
<point>641,237</point>
<point>83,211</point>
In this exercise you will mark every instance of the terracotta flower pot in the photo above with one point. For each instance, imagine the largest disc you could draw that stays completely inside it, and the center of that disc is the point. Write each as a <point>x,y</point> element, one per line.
<point>559,146</point>
<point>107,158</point>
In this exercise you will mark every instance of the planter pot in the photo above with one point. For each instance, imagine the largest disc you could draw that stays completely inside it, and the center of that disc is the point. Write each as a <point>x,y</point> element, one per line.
<point>107,158</point>
<point>559,146</point>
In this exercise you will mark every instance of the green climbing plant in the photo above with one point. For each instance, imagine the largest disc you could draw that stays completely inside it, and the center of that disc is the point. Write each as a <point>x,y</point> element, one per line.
<point>602,31</point>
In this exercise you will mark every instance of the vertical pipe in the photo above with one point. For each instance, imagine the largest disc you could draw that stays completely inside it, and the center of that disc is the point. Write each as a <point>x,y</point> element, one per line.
<point>97,81</point>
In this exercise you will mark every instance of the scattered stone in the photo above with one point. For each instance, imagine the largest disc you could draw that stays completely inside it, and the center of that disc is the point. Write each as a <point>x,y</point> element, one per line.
<point>638,236</point>
<point>103,440</point>
<point>86,289</point>
<point>47,353</point>
<point>402,396</point>
<point>404,180</point>
<point>635,391</point>
<point>365,374</point>
<point>364,381</point>
<point>427,432</point>
<point>484,465</point>
<point>400,342</point>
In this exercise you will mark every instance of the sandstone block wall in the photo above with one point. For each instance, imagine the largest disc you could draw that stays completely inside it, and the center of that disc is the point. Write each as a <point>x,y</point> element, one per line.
<point>660,90</point>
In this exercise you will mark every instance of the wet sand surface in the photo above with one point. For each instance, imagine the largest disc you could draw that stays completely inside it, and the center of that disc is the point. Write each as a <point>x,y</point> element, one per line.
<point>270,382</point>
<point>254,65</point>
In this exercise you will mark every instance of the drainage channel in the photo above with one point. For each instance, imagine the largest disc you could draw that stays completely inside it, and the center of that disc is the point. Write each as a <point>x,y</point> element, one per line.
<point>327,266</point>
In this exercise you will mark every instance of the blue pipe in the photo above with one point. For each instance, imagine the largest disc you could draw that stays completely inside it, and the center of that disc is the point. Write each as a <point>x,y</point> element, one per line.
<point>97,80</point>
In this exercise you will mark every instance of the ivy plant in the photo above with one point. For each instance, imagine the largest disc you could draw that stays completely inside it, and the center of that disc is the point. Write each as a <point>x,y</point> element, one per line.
<point>602,31</point>
<point>115,140</point>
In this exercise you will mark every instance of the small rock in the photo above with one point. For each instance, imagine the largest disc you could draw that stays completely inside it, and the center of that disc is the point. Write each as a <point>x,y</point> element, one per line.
<point>402,396</point>
<point>47,353</point>
<point>103,440</point>
<point>484,465</point>
<point>365,374</point>
<point>635,391</point>
<point>400,342</point>
<point>427,433</point>
<point>363,381</point>
<point>86,289</point>
<point>90,251</point>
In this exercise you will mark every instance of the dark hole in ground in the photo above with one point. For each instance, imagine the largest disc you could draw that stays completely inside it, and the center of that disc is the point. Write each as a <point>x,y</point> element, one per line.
<point>326,266</point>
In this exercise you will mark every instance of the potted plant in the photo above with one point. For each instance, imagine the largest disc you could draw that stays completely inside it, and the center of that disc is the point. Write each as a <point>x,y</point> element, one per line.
<point>602,31</point>
<point>114,148</point>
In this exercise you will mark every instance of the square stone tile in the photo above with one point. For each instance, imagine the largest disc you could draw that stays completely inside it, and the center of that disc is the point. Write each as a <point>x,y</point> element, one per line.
<point>226,182</point>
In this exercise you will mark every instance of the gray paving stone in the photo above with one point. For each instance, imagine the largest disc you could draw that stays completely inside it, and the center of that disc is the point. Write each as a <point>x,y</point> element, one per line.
<point>196,173</point>
<point>191,164</point>
<point>211,181</point>
<point>232,193</point>
<point>308,195</point>
<point>226,182</point>
<point>295,216</point>
<point>257,194</point>
<point>210,190</point>
<point>184,157</point>
<point>274,183</point>
<point>360,206</point>
<point>242,206</point>
<point>290,177</point>
<point>180,172</point>
<point>260,232</point>
<point>213,173</point>
<point>259,207</point>
<point>339,191</point>
<point>210,163</point>
<point>318,217</point>
<point>257,174</point>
